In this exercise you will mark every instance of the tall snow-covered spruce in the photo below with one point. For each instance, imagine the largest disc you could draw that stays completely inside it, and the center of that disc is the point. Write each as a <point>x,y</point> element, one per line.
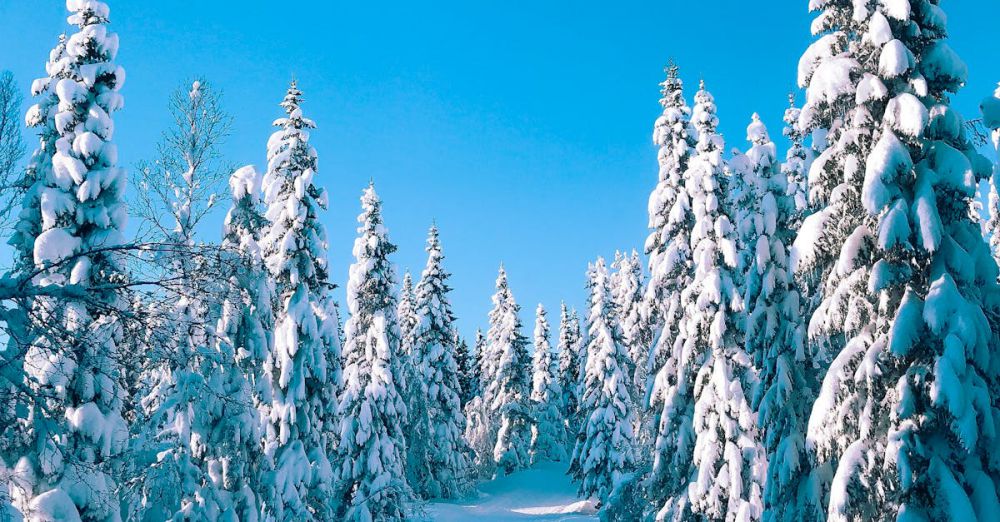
<point>504,438</point>
<point>372,452</point>
<point>76,426</point>
<point>441,469</point>
<point>627,294</point>
<point>304,361</point>
<point>775,335</point>
<point>670,219</point>
<point>407,314</point>
<point>569,347</point>
<point>605,450</point>
<point>244,336</point>
<point>548,432</point>
<point>708,461</point>
<point>903,419</point>
<point>468,369</point>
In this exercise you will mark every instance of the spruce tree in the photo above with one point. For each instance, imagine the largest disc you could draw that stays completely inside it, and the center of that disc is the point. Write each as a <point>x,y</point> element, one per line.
<point>244,337</point>
<point>627,294</point>
<point>303,362</point>
<point>507,378</point>
<point>775,336</point>
<point>605,450</point>
<point>834,70</point>
<point>468,369</point>
<point>708,461</point>
<point>548,432</point>
<point>897,419</point>
<point>372,451</point>
<point>442,469</point>
<point>479,351</point>
<point>406,311</point>
<point>568,347</point>
<point>15,436</point>
<point>670,218</point>
<point>796,165</point>
<point>75,426</point>
<point>477,421</point>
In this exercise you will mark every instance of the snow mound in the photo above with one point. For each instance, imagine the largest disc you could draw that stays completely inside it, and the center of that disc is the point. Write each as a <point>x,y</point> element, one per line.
<point>543,492</point>
<point>581,507</point>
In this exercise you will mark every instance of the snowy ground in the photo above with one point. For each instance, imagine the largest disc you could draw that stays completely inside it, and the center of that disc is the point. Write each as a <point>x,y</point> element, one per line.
<point>544,492</point>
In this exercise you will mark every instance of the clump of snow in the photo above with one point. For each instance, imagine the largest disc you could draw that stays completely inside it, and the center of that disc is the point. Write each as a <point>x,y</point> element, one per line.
<point>54,245</point>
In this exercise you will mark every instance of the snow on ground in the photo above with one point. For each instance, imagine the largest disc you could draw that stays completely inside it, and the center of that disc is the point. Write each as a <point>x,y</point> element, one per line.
<point>543,492</point>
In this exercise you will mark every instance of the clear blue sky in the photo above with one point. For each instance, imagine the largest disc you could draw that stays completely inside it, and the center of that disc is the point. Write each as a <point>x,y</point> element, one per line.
<point>522,127</point>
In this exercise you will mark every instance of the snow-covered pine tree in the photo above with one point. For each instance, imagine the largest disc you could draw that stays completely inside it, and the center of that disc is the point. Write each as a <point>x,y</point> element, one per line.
<point>468,369</point>
<point>569,366</point>
<point>477,424</point>
<point>637,334</point>
<point>442,471</point>
<point>548,432</point>
<point>837,73</point>
<point>796,165</point>
<point>14,436</point>
<point>708,461</point>
<point>507,380</point>
<point>245,338</point>
<point>409,384</point>
<point>372,451</point>
<point>775,336</point>
<point>406,311</point>
<point>202,427</point>
<point>670,219</point>
<point>739,197</point>
<point>579,419</point>
<point>900,415</point>
<point>605,451</point>
<point>75,426</point>
<point>303,363</point>
<point>479,350</point>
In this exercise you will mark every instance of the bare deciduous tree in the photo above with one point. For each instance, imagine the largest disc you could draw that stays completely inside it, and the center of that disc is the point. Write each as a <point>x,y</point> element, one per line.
<point>187,179</point>
<point>11,147</point>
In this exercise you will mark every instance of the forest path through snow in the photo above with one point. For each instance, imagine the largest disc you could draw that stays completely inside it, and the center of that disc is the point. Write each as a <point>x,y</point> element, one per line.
<point>543,492</point>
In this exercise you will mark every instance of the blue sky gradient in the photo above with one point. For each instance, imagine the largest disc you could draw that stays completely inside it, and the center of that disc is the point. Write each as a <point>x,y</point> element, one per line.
<point>522,127</point>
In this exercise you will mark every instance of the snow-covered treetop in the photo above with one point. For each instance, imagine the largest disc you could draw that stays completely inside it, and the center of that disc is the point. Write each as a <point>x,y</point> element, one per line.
<point>406,310</point>
<point>432,292</point>
<point>295,243</point>
<point>672,88</point>
<point>541,330</point>
<point>87,12</point>
<point>291,104</point>
<point>704,117</point>
<point>503,298</point>
<point>795,166</point>
<point>372,247</point>
<point>433,270</point>
<point>244,222</point>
